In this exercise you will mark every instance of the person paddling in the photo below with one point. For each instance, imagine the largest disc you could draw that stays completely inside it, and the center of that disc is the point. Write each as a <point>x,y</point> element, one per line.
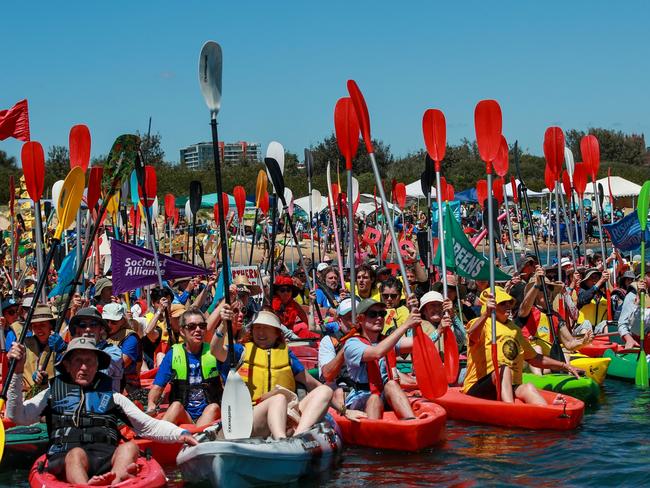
<point>513,350</point>
<point>84,434</point>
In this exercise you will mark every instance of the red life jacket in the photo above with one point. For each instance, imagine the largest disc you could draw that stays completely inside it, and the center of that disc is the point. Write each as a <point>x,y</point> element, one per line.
<point>374,372</point>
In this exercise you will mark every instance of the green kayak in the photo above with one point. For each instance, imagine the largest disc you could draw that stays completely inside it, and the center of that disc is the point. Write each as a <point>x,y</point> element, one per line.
<point>584,389</point>
<point>623,366</point>
<point>23,444</point>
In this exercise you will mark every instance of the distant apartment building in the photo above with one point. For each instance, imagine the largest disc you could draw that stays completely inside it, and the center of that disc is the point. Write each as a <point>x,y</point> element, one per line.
<point>200,155</point>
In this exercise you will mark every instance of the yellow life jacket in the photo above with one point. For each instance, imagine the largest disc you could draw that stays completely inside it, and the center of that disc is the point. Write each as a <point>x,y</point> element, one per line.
<point>35,351</point>
<point>588,312</point>
<point>262,369</point>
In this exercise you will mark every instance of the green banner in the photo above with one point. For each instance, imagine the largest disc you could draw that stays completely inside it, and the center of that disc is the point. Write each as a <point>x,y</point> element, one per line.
<point>460,255</point>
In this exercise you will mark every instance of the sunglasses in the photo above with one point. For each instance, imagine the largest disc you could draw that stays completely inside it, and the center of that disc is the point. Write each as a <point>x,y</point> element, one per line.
<point>200,325</point>
<point>88,325</point>
<point>390,296</point>
<point>373,314</point>
<point>284,289</point>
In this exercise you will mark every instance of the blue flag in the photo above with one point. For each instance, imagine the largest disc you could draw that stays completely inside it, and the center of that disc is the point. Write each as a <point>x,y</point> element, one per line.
<point>626,233</point>
<point>219,292</point>
<point>65,274</point>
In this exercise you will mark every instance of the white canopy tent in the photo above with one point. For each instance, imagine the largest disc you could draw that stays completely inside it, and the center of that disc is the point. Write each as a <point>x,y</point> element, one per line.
<point>620,187</point>
<point>530,193</point>
<point>366,204</point>
<point>414,190</point>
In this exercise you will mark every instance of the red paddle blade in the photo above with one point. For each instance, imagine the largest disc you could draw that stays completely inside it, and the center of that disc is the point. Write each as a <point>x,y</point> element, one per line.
<point>487,122</point>
<point>580,175</point>
<point>497,189</point>
<point>216,214</point>
<point>94,186</point>
<point>566,184</point>
<point>239,192</point>
<point>452,364</point>
<point>33,160</point>
<point>400,195</point>
<point>549,178</point>
<point>226,208</point>
<point>347,130</point>
<point>443,188</point>
<point>513,186</point>
<point>79,147</point>
<point>170,205</point>
<point>361,109</point>
<point>335,196</point>
<point>481,192</point>
<point>264,203</point>
<point>177,214</point>
<point>554,150</point>
<point>434,129</point>
<point>151,186</point>
<point>428,367</point>
<point>451,193</point>
<point>590,150</point>
<point>500,163</point>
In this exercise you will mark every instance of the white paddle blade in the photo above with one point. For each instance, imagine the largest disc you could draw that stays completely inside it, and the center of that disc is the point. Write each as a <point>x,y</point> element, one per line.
<point>188,210</point>
<point>155,209</point>
<point>276,151</point>
<point>355,189</point>
<point>288,196</point>
<point>316,201</point>
<point>570,164</point>
<point>236,408</point>
<point>329,185</point>
<point>56,192</point>
<point>210,64</point>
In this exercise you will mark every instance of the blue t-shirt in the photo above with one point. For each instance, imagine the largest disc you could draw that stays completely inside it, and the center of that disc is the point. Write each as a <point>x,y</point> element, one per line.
<point>196,399</point>
<point>10,338</point>
<point>132,347</point>
<point>357,369</point>
<point>224,368</point>
<point>322,299</point>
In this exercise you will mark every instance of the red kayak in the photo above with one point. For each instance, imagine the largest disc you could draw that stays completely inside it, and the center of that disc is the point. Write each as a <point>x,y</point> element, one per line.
<point>520,415</point>
<point>426,430</point>
<point>597,348</point>
<point>307,355</point>
<point>151,475</point>
<point>163,452</point>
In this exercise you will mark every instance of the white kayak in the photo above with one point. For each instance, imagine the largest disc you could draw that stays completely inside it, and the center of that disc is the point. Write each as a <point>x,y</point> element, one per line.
<point>260,461</point>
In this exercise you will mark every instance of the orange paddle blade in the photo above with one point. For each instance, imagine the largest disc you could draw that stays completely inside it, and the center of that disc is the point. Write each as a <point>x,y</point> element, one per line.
<point>361,109</point>
<point>500,163</point>
<point>33,159</point>
<point>434,129</point>
<point>488,124</point>
<point>79,146</point>
<point>346,126</point>
<point>429,370</point>
<point>590,150</point>
<point>239,192</point>
<point>580,176</point>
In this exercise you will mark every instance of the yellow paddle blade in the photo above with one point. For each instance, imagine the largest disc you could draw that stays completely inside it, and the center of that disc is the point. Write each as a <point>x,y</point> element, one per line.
<point>260,187</point>
<point>69,199</point>
<point>2,430</point>
<point>113,205</point>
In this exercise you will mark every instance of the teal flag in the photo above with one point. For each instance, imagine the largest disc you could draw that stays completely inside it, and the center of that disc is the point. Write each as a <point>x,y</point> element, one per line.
<point>460,255</point>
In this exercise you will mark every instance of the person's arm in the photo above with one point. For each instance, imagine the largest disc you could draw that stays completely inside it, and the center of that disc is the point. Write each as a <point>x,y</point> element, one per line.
<point>373,353</point>
<point>529,299</point>
<point>217,344</point>
<point>330,370</point>
<point>545,362</point>
<point>19,411</point>
<point>163,376</point>
<point>625,320</point>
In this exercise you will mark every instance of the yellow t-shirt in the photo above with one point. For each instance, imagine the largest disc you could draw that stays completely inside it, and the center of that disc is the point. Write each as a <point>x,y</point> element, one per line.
<point>395,317</point>
<point>512,350</point>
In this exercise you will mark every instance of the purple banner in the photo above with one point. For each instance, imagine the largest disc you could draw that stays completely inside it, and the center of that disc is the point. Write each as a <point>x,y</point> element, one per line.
<point>134,267</point>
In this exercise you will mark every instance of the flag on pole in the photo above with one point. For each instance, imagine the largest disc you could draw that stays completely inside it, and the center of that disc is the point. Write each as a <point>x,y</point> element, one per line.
<point>461,257</point>
<point>65,274</point>
<point>134,267</point>
<point>626,233</point>
<point>15,122</point>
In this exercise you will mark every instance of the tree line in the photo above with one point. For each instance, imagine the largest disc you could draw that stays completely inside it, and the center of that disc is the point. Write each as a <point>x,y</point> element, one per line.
<point>626,154</point>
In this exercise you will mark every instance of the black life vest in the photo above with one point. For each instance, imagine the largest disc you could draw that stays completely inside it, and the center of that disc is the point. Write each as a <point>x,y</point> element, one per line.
<point>79,416</point>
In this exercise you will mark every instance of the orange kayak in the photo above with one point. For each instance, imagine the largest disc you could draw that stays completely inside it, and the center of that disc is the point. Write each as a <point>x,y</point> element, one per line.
<point>460,406</point>
<point>426,430</point>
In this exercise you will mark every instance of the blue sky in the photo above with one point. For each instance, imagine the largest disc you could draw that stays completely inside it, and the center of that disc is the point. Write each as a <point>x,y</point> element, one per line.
<point>111,65</point>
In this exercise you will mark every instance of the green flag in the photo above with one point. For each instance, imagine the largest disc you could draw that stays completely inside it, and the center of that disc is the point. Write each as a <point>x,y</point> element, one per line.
<point>461,257</point>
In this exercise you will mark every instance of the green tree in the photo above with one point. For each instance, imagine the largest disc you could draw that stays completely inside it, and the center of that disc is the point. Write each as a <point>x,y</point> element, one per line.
<point>152,149</point>
<point>57,164</point>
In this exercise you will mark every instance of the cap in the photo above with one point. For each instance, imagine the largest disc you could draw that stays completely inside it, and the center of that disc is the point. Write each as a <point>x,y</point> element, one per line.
<point>176,310</point>
<point>501,295</point>
<point>88,313</point>
<point>565,262</point>
<point>321,267</point>
<point>345,307</point>
<point>431,297</point>
<point>267,318</point>
<point>101,284</point>
<point>524,261</point>
<point>42,313</point>
<point>113,311</point>
<point>590,272</point>
<point>9,302</point>
<point>364,305</point>
<point>86,344</point>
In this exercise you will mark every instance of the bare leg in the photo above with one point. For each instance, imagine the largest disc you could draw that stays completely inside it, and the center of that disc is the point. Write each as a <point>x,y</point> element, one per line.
<point>270,416</point>
<point>124,461</point>
<point>529,394</point>
<point>313,407</point>
<point>375,407</point>
<point>211,413</point>
<point>506,385</point>
<point>339,397</point>
<point>397,400</point>
<point>176,414</point>
<point>76,466</point>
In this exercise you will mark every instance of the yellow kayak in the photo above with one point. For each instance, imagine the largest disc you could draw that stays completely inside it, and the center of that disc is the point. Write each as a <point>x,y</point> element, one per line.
<point>595,368</point>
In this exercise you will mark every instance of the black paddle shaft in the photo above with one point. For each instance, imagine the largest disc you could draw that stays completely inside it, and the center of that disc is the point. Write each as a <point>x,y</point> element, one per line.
<point>556,348</point>
<point>225,269</point>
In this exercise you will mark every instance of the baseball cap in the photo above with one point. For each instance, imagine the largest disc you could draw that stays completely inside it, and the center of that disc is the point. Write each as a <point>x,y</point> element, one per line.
<point>113,311</point>
<point>430,297</point>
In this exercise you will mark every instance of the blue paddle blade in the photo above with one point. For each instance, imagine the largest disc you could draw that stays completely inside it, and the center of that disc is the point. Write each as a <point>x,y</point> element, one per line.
<point>135,197</point>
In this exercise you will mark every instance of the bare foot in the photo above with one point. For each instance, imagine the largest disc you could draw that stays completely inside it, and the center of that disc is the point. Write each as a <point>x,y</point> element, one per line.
<point>102,479</point>
<point>133,469</point>
<point>559,400</point>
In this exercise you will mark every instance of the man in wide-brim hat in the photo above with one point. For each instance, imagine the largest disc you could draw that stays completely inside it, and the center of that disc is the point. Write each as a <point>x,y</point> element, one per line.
<point>83,418</point>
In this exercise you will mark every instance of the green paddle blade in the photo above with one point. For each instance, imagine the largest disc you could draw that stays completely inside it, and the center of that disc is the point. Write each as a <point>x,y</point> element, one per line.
<point>642,205</point>
<point>120,162</point>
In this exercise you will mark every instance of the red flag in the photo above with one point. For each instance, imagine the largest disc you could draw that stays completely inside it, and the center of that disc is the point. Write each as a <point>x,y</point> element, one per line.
<point>15,122</point>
